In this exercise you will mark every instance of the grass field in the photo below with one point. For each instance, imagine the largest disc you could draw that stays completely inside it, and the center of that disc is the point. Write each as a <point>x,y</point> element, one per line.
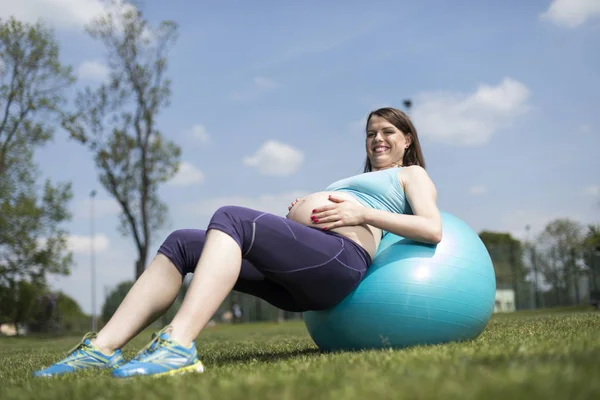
<point>529,355</point>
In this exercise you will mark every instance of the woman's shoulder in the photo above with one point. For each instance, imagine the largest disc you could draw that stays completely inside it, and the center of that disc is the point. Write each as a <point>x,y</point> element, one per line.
<point>412,171</point>
<point>413,174</point>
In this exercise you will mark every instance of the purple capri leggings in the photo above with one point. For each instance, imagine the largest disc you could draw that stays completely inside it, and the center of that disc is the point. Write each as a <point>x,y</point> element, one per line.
<point>292,266</point>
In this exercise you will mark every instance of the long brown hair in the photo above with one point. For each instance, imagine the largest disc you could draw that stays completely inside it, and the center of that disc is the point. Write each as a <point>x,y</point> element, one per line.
<point>413,155</point>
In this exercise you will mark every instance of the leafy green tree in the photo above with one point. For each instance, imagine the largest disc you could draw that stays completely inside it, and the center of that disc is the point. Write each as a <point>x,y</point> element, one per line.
<point>114,299</point>
<point>118,122</point>
<point>561,248</point>
<point>18,301</point>
<point>32,92</point>
<point>592,252</point>
<point>507,255</point>
<point>72,317</point>
<point>592,237</point>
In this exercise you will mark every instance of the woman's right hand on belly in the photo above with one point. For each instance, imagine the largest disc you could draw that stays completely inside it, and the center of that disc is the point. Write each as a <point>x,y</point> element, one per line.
<point>293,204</point>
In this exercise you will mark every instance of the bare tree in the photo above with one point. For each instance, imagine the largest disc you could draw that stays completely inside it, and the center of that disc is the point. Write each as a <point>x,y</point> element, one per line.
<point>118,121</point>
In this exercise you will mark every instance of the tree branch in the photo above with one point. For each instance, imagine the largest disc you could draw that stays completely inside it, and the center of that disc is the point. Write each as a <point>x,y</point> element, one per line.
<point>10,99</point>
<point>124,205</point>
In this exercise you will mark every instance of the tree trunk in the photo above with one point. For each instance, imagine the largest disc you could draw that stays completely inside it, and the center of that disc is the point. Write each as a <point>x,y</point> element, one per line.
<point>575,276</point>
<point>140,264</point>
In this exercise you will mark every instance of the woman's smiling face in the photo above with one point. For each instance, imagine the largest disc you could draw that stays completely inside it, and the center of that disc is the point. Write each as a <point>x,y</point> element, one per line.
<point>385,144</point>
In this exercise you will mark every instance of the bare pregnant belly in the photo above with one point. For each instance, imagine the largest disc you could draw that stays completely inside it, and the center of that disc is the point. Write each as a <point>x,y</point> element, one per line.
<point>365,235</point>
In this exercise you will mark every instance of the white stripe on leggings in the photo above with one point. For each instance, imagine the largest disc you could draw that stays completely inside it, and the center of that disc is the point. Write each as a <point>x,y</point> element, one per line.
<point>252,241</point>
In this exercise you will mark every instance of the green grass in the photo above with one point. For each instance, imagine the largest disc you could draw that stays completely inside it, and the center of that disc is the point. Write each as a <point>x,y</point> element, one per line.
<point>531,355</point>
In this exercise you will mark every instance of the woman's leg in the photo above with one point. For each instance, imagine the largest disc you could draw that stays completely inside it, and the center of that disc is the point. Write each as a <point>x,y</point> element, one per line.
<point>216,274</point>
<point>319,269</point>
<point>151,296</point>
<point>144,303</point>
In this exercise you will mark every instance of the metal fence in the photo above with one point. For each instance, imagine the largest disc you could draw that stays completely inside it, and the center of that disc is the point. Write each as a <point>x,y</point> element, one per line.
<point>538,276</point>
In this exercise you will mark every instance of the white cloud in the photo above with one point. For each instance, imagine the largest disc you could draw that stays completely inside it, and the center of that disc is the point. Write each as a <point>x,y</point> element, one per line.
<point>469,119</point>
<point>93,70</point>
<point>187,175</point>
<point>66,14</point>
<point>592,190</point>
<point>277,203</point>
<point>199,133</point>
<point>478,190</point>
<point>274,158</point>
<point>63,14</point>
<point>79,244</point>
<point>571,13</point>
<point>260,85</point>
<point>102,208</point>
<point>82,244</point>
<point>264,83</point>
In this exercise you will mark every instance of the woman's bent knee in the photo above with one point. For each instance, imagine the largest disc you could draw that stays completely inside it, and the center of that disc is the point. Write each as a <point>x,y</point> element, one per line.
<point>237,222</point>
<point>183,247</point>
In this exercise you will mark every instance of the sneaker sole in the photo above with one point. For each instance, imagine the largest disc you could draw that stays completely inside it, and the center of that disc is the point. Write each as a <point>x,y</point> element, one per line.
<point>197,368</point>
<point>98,368</point>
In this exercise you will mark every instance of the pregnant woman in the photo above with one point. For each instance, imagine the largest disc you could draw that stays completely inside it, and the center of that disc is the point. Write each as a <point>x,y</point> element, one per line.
<point>310,260</point>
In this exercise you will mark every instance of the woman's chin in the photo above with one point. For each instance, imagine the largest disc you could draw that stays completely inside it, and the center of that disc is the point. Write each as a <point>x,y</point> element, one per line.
<point>380,164</point>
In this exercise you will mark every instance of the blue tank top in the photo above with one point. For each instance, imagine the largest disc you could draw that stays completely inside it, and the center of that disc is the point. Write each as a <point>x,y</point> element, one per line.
<point>379,189</point>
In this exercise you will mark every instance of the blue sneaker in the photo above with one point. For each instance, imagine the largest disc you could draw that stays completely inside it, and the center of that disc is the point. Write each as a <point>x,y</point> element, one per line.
<point>84,355</point>
<point>161,357</point>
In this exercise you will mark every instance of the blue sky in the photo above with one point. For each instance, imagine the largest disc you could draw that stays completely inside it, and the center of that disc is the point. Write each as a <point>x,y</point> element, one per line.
<point>269,101</point>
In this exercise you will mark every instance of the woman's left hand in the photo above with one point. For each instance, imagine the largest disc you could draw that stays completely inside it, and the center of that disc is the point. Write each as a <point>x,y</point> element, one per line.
<point>340,213</point>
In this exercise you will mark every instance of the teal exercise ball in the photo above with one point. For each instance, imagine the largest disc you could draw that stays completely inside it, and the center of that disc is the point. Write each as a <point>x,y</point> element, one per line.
<point>414,294</point>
